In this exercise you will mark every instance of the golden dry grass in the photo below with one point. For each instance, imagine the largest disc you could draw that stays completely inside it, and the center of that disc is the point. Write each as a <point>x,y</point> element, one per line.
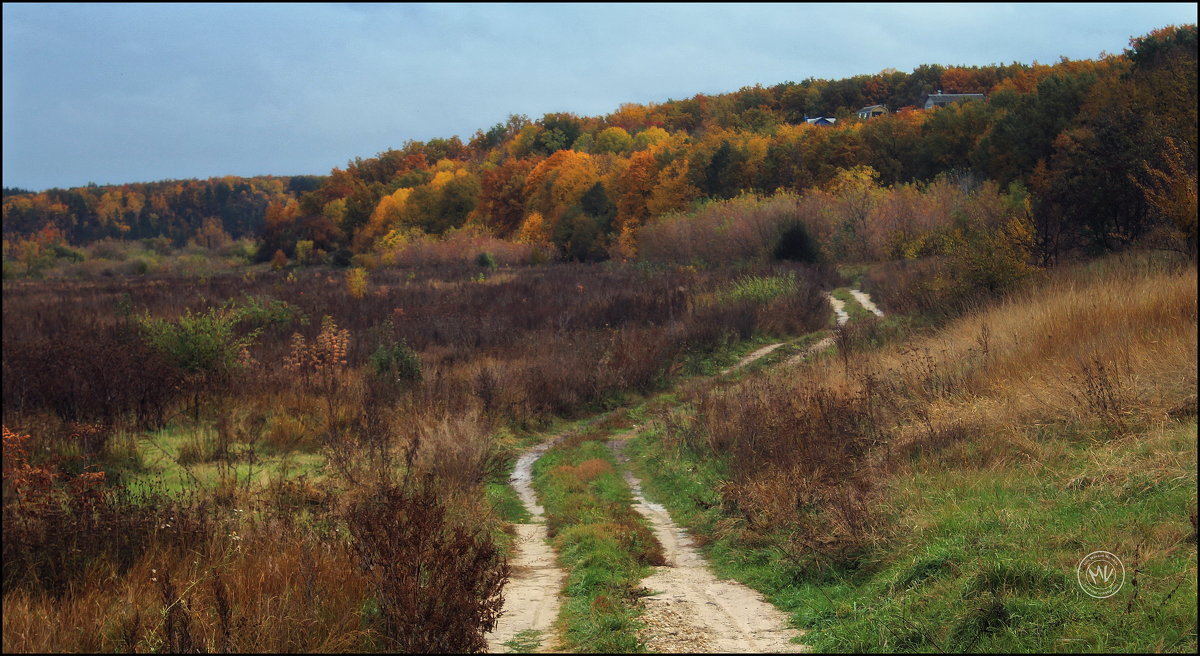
<point>285,595</point>
<point>1115,349</point>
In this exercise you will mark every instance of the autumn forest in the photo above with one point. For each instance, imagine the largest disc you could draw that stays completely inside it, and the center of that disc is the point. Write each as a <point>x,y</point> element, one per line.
<point>1076,142</point>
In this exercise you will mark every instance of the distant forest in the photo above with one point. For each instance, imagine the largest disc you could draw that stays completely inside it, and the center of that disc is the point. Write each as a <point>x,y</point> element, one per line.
<point>1082,140</point>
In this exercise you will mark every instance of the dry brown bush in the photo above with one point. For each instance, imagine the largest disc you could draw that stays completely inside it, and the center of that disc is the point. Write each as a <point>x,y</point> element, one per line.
<point>438,583</point>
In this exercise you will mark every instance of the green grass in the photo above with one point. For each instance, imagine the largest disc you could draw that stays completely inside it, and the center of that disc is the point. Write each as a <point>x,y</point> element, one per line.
<point>712,363</point>
<point>760,289</point>
<point>853,273</point>
<point>525,642</point>
<point>161,461</point>
<point>603,544</point>
<point>981,559</point>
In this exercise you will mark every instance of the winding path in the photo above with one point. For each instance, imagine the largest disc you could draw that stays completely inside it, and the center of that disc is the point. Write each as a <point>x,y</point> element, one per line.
<point>866,302</point>
<point>691,610</point>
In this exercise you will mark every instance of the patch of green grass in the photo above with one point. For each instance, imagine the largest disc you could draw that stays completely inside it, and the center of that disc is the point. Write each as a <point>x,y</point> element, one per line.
<point>603,544</point>
<point>978,559</point>
<point>525,642</point>
<point>712,363</point>
<point>179,458</point>
<point>760,289</point>
<point>853,308</point>
<point>853,273</point>
<point>788,350</point>
<point>506,504</point>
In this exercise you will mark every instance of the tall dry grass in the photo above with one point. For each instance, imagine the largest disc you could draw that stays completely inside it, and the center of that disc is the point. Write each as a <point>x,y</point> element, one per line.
<point>262,589</point>
<point>1114,347</point>
<point>1107,352</point>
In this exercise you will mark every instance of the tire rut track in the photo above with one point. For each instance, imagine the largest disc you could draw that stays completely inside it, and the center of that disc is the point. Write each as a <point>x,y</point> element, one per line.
<point>531,598</point>
<point>694,610</point>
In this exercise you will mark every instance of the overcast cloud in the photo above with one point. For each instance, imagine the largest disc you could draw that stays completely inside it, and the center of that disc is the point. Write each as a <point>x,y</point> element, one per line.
<point>130,93</point>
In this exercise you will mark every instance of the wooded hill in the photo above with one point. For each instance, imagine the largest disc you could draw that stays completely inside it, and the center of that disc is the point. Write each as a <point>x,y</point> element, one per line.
<point>1103,150</point>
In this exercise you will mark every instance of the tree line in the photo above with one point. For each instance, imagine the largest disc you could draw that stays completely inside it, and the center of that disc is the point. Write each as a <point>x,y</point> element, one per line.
<point>1104,148</point>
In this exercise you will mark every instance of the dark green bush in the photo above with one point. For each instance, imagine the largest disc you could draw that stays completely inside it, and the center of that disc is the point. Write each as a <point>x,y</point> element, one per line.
<point>486,260</point>
<point>396,362</point>
<point>796,245</point>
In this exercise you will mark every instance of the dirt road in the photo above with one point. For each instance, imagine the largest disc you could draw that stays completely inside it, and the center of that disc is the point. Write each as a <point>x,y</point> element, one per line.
<point>531,599</point>
<point>691,610</point>
<point>839,309</point>
<point>752,357</point>
<point>866,302</point>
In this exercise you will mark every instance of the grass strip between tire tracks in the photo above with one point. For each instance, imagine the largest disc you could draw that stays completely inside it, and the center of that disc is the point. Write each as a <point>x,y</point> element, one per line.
<point>604,545</point>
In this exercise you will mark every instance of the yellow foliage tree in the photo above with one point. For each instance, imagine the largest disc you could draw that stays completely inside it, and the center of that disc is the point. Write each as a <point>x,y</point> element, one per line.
<point>356,282</point>
<point>557,183</point>
<point>673,191</point>
<point>1171,195</point>
<point>533,230</point>
<point>388,214</point>
<point>650,137</point>
<point>633,187</point>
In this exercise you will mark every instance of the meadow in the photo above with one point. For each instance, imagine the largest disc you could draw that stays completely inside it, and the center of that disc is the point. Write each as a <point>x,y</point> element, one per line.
<point>934,487</point>
<point>310,459</point>
<point>202,454</point>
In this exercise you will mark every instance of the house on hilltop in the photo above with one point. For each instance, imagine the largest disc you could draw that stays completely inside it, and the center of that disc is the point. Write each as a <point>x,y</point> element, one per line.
<point>940,99</point>
<point>871,111</point>
<point>820,120</point>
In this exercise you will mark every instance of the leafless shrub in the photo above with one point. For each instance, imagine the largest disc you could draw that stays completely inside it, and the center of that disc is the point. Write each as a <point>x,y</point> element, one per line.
<point>1101,388</point>
<point>437,582</point>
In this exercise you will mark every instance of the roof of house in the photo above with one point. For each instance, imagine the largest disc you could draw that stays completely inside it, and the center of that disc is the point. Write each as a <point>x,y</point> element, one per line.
<point>949,97</point>
<point>872,107</point>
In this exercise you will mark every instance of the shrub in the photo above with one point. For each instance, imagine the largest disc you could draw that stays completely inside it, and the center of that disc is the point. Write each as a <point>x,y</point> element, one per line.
<point>205,344</point>
<point>356,282</point>
<point>65,252</point>
<point>242,249</point>
<point>796,245</point>
<point>264,311</point>
<point>58,527</point>
<point>437,582</point>
<point>87,374</point>
<point>141,266</point>
<point>304,251</point>
<point>396,362</point>
<point>745,228</point>
<point>486,260</point>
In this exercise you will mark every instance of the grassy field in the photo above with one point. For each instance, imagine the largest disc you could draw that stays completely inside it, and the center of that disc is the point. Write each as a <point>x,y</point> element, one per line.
<point>189,460</point>
<point>1013,442</point>
<point>929,484</point>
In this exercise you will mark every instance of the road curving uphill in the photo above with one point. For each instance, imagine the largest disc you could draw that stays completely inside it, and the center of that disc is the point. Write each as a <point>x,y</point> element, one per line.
<point>689,608</point>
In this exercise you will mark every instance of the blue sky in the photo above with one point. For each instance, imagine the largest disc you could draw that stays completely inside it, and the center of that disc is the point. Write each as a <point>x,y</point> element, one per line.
<point>129,93</point>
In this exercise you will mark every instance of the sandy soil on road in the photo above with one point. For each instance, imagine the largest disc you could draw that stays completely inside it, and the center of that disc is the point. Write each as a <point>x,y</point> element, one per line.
<point>531,598</point>
<point>839,308</point>
<point>866,302</point>
<point>693,611</point>
<point>752,357</point>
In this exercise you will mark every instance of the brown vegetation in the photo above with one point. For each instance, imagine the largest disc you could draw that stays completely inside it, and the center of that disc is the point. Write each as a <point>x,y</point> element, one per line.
<point>400,391</point>
<point>1108,351</point>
